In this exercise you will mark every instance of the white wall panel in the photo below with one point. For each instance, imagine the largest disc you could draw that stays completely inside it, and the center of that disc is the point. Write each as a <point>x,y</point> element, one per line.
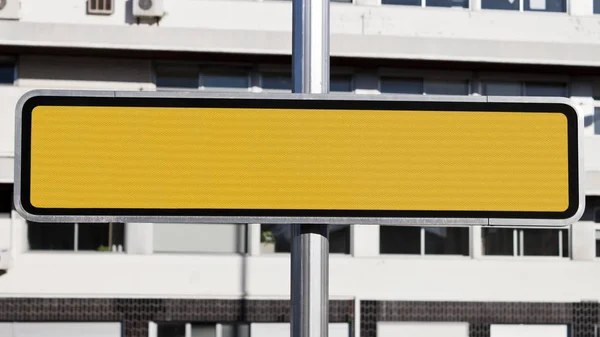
<point>66,72</point>
<point>66,329</point>
<point>422,329</point>
<point>283,330</point>
<point>198,238</point>
<point>519,330</point>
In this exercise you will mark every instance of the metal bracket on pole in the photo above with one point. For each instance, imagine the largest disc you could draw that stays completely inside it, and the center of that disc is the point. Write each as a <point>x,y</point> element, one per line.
<point>310,243</point>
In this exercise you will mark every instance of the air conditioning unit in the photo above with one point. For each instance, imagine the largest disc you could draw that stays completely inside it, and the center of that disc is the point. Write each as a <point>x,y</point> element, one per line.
<point>9,9</point>
<point>148,8</point>
<point>5,259</point>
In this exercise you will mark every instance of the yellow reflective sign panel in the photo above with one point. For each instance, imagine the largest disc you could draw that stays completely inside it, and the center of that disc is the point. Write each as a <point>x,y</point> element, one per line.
<point>305,158</point>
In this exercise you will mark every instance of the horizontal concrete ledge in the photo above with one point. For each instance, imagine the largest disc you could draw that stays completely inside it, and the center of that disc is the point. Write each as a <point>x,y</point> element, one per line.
<point>373,45</point>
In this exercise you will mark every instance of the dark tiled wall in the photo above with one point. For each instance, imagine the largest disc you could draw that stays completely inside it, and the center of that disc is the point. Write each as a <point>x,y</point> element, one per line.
<point>136,313</point>
<point>581,317</point>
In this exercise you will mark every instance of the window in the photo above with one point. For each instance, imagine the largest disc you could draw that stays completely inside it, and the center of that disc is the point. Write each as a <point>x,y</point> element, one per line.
<point>525,242</point>
<point>277,82</point>
<point>199,238</point>
<point>527,5</point>
<point>7,73</point>
<point>100,6</point>
<point>501,4</point>
<point>419,86</point>
<point>596,6</point>
<point>596,120</point>
<point>446,87</point>
<point>76,236</point>
<point>545,89</point>
<point>402,2</point>
<point>202,330</point>
<point>447,3</point>
<point>225,80</point>
<point>6,195</point>
<point>515,88</point>
<point>277,238</point>
<point>395,85</point>
<point>424,240</point>
<point>340,83</point>
<point>502,89</point>
<point>592,214</point>
<point>546,5</point>
<point>176,77</point>
<point>170,330</point>
<point>429,3</point>
<point>181,77</point>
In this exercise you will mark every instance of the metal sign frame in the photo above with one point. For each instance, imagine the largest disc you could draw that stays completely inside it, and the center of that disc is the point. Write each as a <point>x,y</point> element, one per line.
<point>313,101</point>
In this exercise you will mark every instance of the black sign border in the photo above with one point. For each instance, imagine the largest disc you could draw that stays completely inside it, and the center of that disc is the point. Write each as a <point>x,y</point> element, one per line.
<point>286,103</point>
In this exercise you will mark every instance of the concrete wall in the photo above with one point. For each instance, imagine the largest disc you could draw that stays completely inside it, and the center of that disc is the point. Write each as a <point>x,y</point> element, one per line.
<point>379,31</point>
<point>232,276</point>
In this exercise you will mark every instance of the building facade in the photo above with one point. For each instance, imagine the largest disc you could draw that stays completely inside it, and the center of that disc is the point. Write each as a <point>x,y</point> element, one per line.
<point>168,280</point>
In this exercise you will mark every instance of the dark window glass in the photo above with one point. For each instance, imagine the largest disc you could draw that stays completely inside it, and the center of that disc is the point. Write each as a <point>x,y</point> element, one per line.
<point>100,236</point>
<point>546,5</point>
<point>339,239</point>
<point>340,83</point>
<point>170,330</point>
<point>566,242</point>
<point>447,3</point>
<point>401,85</point>
<point>7,73</point>
<point>498,241</point>
<point>399,240</point>
<point>402,2</point>
<point>596,6</point>
<point>500,4</point>
<point>234,330</point>
<point>597,243</point>
<point>276,81</point>
<point>540,242</point>
<point>51,236</point>
<point>597,121</point>
<point>6,193</point>
<point>447,240</point>
<point>496,88</point>
<point>226,80</point>
<point>276,238</point>
<point>177,77</point>
<point>438,87</point>
<point>545,89</point>
<point>204,330</point>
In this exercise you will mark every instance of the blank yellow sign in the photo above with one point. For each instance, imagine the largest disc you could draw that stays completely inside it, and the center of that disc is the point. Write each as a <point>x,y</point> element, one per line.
<point>298,159</point>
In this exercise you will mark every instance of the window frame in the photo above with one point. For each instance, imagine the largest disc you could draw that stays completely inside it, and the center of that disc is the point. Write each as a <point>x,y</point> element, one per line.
<point>258,243</point>
<point>594,127</point>
<point>424,5</point>
<point>208,67</point>
<point>484,77</point>
<point>523,10</point>
<point>428,75</point>
<point>518,245</point>
<point>422,241</point>
<point>76,239</point>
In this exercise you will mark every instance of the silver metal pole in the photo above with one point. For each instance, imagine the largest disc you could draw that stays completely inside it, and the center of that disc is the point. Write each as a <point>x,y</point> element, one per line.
<point>310,243</point>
